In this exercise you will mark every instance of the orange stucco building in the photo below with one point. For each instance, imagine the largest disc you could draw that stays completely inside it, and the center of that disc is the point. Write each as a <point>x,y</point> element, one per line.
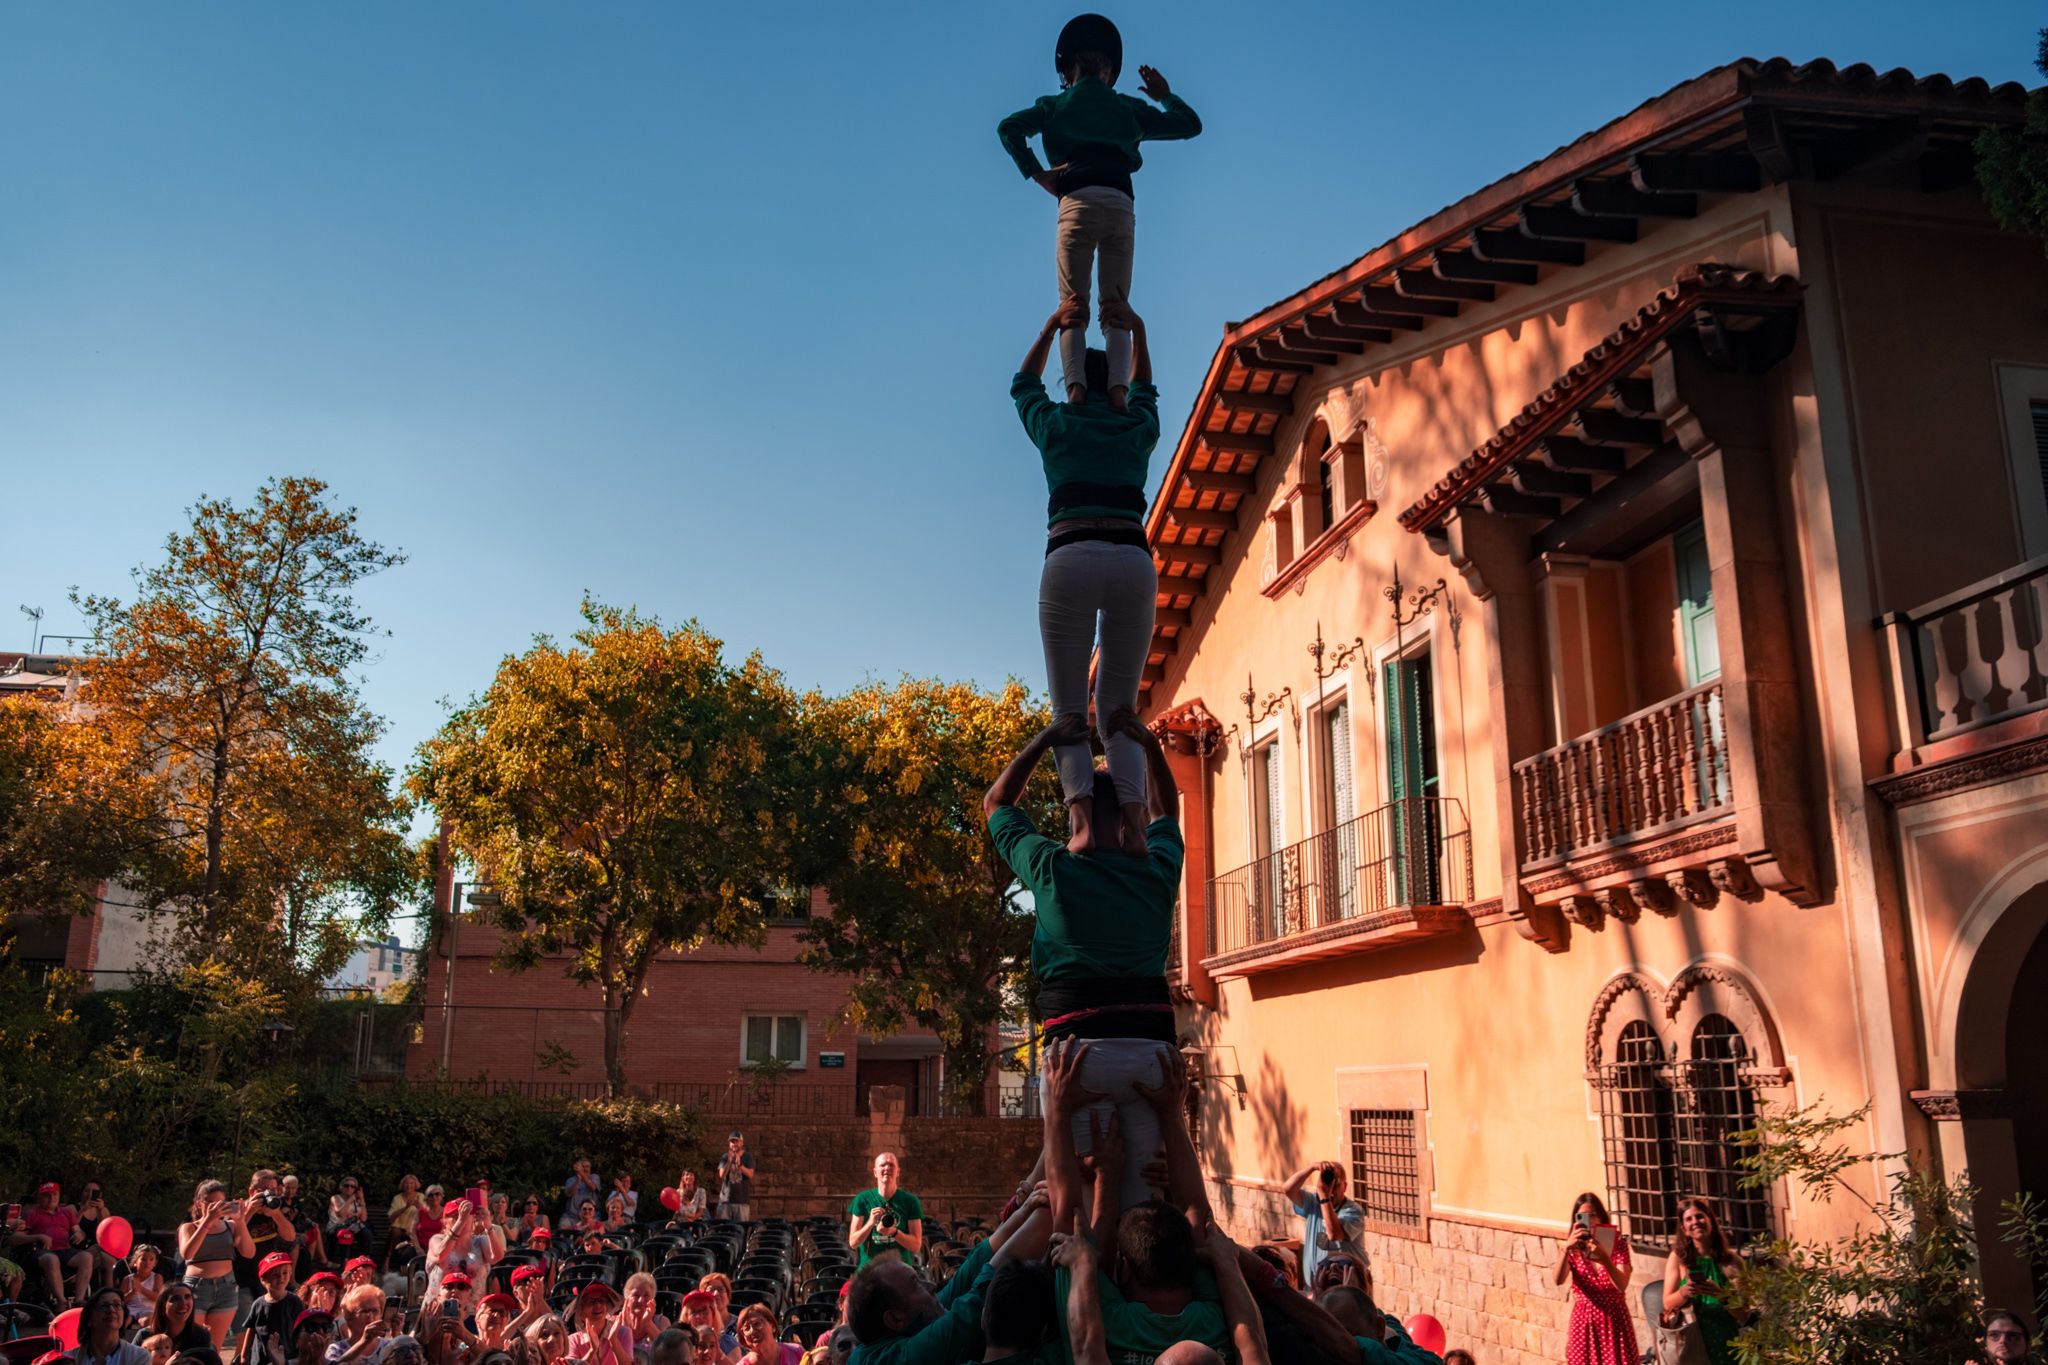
<point>1601,635</point>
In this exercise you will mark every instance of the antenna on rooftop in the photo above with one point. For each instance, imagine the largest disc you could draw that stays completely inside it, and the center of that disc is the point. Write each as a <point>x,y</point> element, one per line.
<point>35,616</point>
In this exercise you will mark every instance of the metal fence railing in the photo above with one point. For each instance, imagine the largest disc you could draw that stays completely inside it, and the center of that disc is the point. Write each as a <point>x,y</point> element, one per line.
<point>1416,851</point>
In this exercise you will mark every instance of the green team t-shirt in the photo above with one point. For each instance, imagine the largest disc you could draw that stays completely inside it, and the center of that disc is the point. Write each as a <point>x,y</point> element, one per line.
<point>1106,914</point>
<point>1092,444</point>
<point>1135,1335</point>
<point>906,1206</point>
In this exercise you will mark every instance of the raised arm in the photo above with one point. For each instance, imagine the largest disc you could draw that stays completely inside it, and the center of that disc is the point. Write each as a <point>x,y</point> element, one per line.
<point>1161,791</point>
<point>1240,1309</point>
<point>1174,119</point>
<point>1064,1095</point>
<point>1009,786</point>
<point>1085,1332</point>
<point>1185,1188</point>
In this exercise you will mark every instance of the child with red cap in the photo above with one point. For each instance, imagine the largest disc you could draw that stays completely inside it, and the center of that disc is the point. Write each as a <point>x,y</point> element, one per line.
<point>267,1336</point>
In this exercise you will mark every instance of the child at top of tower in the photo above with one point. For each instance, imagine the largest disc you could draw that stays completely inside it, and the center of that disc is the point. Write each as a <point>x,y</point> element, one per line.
<point>1091,135</point>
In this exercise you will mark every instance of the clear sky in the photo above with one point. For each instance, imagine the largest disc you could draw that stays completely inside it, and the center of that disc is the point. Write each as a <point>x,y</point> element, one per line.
<point>712,315</point>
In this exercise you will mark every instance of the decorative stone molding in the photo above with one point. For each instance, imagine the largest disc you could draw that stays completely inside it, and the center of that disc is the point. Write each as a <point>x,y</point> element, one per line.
<point>1584,911</point>
<point>1651,894</point>
<point>1684,847</point>
<point>1712,988</point>
<point>1694,887</point>
<point>1976,770</point>
<point>1955,1106</point>
<point>1619,902</point>
<point>1602,1025</point>
<point>1732,877</point>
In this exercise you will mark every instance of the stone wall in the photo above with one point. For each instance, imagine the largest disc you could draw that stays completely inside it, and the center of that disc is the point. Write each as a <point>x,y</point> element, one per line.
<point>957,1167</point>
<point>1489,1284</point>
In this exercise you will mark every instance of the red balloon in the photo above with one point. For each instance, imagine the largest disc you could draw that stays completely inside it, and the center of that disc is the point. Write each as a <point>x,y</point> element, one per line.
<point>1426,1332</point>
<point>670,1200</point>
<point>116,1237</point>
<point>65,1327</point>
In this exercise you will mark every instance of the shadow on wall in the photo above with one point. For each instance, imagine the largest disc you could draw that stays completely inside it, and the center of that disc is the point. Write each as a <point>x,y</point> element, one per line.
<point>1255,1103</point>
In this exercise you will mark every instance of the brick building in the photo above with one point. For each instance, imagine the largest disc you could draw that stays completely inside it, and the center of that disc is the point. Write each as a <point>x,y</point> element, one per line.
<point>706,1014</point>
<point>1601,636</point>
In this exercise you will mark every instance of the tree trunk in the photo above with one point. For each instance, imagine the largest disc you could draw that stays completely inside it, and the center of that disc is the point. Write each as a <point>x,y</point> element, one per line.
<point>625,991</point>
<point>216,833</point>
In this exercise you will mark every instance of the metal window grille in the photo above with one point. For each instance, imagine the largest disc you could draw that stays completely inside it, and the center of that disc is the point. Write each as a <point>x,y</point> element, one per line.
<point>1713,1103</point>
<point>1386,1168</point>
<point>1636,1137</point>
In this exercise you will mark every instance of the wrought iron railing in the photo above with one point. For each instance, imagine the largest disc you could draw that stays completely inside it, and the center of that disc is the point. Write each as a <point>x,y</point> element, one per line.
<point>1664,766</point>
<point>1974,657</point>
<point>1416,851</point>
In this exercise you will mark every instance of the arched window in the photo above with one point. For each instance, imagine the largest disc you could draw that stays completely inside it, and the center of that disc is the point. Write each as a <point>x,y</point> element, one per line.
<point>1715,1101</point>
<point>1636,1132</point>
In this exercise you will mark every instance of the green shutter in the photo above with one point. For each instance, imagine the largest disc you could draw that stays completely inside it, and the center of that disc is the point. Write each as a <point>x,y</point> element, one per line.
<point>1696,605</point>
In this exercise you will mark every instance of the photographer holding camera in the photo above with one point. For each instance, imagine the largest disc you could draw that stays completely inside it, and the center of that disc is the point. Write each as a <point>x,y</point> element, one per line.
<point>1331,1223</point>
<point>886,1219</point>
<point>269,1224</point>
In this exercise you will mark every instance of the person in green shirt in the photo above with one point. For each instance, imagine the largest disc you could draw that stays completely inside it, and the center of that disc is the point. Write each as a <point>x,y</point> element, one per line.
<point>887,1218</point>
<point>898,1320</point>
<point>1091,136</point>
<point>1098,567</point>
<point>1098,947</point>
<point>1159,1296</point>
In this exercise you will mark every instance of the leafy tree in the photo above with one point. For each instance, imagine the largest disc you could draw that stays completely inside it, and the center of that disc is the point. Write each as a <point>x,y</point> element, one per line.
<point>2012,163</point>
<point>629,795</point>
<point>226,688</point>
<point>926,923</point>
<point>1901,1290</point>
<point>70,810</point>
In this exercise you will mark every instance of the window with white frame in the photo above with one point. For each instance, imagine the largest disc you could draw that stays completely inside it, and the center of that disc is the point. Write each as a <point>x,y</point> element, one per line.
<point>771,1038</point>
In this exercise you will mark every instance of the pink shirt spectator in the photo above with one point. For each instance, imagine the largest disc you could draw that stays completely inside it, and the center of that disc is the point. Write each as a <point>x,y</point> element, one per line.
<point>583,1348</point>
<point>55,1224</point>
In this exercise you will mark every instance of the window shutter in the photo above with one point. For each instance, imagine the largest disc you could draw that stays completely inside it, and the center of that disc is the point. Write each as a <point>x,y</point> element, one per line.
<point>2039,412</point>
<point>1342,807</point>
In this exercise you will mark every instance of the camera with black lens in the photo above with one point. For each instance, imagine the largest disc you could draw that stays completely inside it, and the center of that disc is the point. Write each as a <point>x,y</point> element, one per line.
<point>270,1199</point>
<point>889,1221</point>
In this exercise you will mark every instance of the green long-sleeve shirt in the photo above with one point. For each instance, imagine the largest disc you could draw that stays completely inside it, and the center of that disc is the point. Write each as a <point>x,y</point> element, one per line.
<point>1095,131</point>
<point>1095,457</point>
<point>955,1335</point>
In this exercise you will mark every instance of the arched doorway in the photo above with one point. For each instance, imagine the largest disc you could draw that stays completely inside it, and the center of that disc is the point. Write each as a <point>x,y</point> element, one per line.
<point>1993,1123</point>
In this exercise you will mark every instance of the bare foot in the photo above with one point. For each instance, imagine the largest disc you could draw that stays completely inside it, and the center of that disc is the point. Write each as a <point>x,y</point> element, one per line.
<point>1081,830</point>
<point>1133,832</point>
<point>1076,395</point>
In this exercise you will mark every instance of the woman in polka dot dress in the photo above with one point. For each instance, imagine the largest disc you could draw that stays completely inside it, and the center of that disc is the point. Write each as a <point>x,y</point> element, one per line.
<point>1601,1332</point>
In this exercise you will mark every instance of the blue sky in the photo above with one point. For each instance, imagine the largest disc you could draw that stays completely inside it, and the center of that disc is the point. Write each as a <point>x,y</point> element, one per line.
<point>712,316</point>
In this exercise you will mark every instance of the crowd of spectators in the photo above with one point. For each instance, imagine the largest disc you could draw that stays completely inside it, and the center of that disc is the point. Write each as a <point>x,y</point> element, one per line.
<point>1066,1273</point>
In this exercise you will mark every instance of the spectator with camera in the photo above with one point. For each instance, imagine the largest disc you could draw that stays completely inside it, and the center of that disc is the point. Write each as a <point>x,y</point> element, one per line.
<point>1331,1223</point>
<point>736,1179</point>
<point>582,1187</point>
<point>269,1224</point>
<point>887,1218</point>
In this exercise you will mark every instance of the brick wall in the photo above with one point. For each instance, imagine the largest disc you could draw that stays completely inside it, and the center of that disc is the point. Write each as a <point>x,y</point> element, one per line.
<point>1489,1284</point>
<point>957,1167</point>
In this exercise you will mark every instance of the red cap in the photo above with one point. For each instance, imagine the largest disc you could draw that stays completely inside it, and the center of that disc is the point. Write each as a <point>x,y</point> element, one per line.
<point>276,1260</point>
<point>49,1187</point>
<point>597,1288</point>
<point>540,1235</point>
<point>529,1272</point>
<point>452,1207</point>
<point>699,1298</point>
<point>499,1300</point>
<point>454,1278</point>
<point>358,1263</point>
<point>312,1317</point>
<point>318,1276</point>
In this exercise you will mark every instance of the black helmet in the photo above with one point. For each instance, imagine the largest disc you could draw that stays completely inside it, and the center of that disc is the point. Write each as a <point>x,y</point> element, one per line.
<point>1090,33</point>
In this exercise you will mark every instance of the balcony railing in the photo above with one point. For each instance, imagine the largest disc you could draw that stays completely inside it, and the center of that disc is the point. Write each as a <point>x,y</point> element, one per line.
<point>1975,657</point>
<point>1663,767</point>
<point>1412,852</point>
